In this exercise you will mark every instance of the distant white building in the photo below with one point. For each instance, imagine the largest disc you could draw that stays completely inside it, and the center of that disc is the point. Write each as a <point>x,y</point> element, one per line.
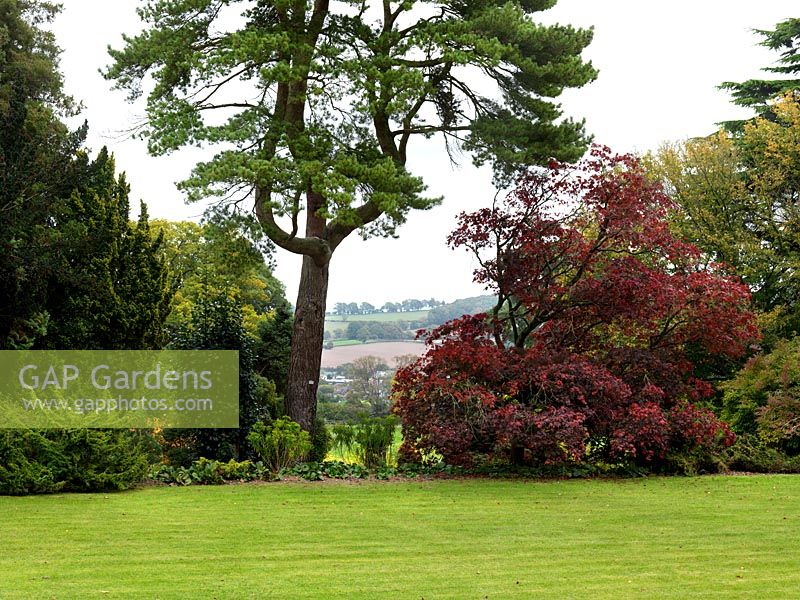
<point>331,377</point>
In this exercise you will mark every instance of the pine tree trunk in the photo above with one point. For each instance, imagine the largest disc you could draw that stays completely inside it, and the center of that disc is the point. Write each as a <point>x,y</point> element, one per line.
<point>307,339</point>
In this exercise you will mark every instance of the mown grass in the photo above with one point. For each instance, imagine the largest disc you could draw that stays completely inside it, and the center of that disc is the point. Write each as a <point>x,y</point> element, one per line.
<point>731,537</point>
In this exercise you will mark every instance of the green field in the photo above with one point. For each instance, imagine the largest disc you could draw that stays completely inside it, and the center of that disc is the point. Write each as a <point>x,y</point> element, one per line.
<point>337,343</point>
<point>334,325</point>
<point>413,315</point>
<point>337,323</point>
<point>732,537</point>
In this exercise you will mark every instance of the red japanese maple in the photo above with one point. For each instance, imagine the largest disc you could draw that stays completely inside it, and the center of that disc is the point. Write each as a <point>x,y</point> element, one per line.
<point>586,349</point>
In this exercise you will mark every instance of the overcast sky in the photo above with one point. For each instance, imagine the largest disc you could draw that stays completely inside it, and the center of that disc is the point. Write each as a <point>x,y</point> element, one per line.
<point>659,63</point>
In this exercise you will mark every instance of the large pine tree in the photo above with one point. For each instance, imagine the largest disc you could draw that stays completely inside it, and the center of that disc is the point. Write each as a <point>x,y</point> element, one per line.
<point>314,105</point>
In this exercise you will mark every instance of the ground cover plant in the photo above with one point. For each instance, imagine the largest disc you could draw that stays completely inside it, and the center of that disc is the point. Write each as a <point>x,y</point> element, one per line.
<point>731,537</point>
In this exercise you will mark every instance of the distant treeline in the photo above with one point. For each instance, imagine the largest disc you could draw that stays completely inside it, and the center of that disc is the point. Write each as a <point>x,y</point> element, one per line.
<point>459,308</point>
<point>376,330</point>
<point>365,308</point>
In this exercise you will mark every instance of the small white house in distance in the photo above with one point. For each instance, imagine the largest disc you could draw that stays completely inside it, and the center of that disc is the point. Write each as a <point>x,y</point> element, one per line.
<point>332,377</point>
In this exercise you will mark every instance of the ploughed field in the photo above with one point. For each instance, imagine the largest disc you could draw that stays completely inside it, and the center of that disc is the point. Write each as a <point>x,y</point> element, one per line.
<point>388,351</point>
<point>731,537</point>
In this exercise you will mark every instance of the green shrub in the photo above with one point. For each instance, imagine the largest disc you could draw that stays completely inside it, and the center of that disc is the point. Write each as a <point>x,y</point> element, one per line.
<point>281,444</point>
<point>104,459</point>
<point>72,460</point>
<point>217,323</point>
<point>779,421</point>
<point>207,472</point>
<point>337,469</point>
<point>693,461</point>
<point>310,471</point>
<point>386,472</point>
<point>172,475</point>
<point>29,463</point>
<point>241,471</point>
<point>764,397</point>
<point>750,453</point>
<point>320,441</point>
<point>370,441</point>
<point>340,470</point>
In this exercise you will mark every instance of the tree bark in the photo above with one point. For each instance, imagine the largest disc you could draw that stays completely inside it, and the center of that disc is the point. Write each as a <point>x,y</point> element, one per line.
<point>317,248</point>
<point>307,340</point>
<point>309,319</point>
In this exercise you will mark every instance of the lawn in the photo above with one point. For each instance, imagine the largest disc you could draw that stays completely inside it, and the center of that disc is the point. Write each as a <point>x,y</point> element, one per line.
<point>731,537</point>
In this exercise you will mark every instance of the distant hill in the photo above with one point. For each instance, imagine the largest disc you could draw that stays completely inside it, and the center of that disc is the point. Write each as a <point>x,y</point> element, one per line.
<point>459,308</point>
<point>400,325</point>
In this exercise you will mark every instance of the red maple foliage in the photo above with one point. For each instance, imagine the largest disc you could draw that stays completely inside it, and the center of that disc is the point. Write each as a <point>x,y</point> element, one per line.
<point>585,353</point>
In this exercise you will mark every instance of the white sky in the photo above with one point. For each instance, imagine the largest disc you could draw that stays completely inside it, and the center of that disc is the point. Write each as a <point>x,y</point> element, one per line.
<point>659,66</point>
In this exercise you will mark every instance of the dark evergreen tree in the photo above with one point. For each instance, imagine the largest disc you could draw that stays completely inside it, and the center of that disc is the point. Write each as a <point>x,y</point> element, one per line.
<point>35,153</point>
<point>110,289</point>
<point>216,324</point>
<point>273,347</point>
<point>757,93</point>
<point>75,273</point>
